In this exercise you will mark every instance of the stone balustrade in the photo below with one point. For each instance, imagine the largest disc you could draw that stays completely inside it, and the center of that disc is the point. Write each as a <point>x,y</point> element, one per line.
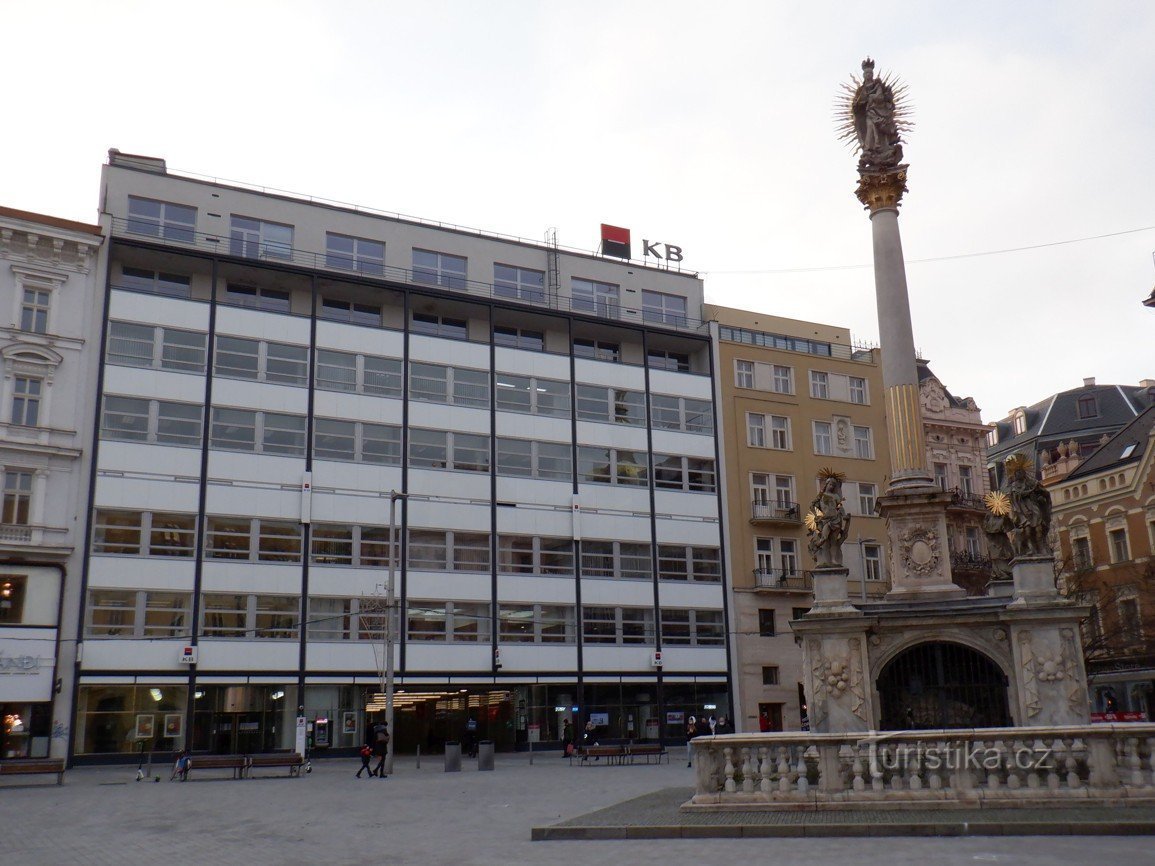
<point>969,768</point>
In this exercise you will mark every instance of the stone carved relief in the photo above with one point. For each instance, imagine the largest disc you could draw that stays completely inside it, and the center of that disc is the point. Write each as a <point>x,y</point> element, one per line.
<point>1060,669</point>
<point>842,435</point>
<point>857,691</point>
<point>1070,656</point>
<point>918,550</point>
<point>933,398</point>
<point>818,686</point>
<point>1030,683</point>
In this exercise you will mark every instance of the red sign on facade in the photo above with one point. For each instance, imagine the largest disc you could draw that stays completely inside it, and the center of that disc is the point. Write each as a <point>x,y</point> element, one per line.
<point>1129,716</point>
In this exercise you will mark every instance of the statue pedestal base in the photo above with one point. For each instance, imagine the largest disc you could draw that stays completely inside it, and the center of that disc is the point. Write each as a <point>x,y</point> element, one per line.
<point>1034,580</point>
<point>830,592</point>
<point>919,557</point>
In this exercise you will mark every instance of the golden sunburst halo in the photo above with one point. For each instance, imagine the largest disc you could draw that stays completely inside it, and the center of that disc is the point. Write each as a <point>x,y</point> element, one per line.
<point>998,503</point>
<point>811,521</point>
<point>826,472</point>
<point>1019,462</point>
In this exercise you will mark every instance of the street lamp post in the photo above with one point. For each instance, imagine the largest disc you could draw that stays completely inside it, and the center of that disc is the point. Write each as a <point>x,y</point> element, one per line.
<point>387,667</point>
<point>862,559</point>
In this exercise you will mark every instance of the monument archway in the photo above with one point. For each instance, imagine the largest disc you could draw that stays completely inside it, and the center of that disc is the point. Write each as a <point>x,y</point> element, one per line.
<point>940,684</point>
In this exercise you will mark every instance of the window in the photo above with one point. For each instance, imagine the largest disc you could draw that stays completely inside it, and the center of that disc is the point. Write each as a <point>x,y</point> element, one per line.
<point>135,419</point>
<point>766,622</point>
<point>610,405</point>
<point>693,474</point>
<point>440,326</point>
<point>872,561</point>
<point>867,497</point>
<point>269,617</point>
<point>1019,424</point>
<point>137,613</point>
<point>823,438</point>
<point>252,539</point>
<point>535,623</point>
<point>286,365</point>
<point>519,338</point>
<point>34,311</point>
<point>263,432</point>
<point>438,449</point>
<point>1082,553</point>
<point>692,627</point>
<point>819,385</point>
<point>857,390</point>
<point>1118,543</point>
<point>681,413</point>
<point>258,298</point>
<point>618,625</point>
<point>337,310</point>
<point>522,283</point>
<point>17,496</point>
<point>454,385</point>
<point>161,219</point>
<point>1130,625</point>
<point>623,560</point>
<point>779,431</point>
<point>744,374</point>
<point>599,350</point>
<point>342,544</point>
<point>783,379</point>
<point>661,359</point>
<point>770,675</point>
<point>863,443</point>
<point>755,430</point>
<point>764,556</point>
<point>974,546</point>
<point>26,394</point>
<point>366,374</point>
<point>788,556</point>
<point>524,554</point>
<point>1088,406</point>
<point>696,564</point>
<point>156,283</point>
<point>664,308</point>
<point>966,480</point>
<point>590,296</point>
<point>447,621</point>
<point>940,476</point>
<point>530,394</point>
<point>257,239</point>
<point>357,441</point>
<point>354,254</point>
<point>438,269</point>
<point>549,460</point>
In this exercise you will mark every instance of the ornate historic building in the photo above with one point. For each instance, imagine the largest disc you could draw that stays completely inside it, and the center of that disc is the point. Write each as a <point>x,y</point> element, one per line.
<point>48,335</point>
<point>793,397</point>
<point>1105,515</point>
<point>956,441</point>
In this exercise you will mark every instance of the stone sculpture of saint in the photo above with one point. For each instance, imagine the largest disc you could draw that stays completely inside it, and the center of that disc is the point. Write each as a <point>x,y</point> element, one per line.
<point>1030,508</point>
<point>827,522</point>
<point>997,528</point>
<point>873,108</point>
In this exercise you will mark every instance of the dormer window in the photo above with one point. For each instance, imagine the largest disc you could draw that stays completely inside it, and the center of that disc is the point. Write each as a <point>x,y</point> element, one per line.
<point>1088,406</point>
<point>1019,423</point>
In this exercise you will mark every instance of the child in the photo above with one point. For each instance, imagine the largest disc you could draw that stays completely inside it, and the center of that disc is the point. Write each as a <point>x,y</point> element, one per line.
<point>182,765</point>
<point>366,756</point>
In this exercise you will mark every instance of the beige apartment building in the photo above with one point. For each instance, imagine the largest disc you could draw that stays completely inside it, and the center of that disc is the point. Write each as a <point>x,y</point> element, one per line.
<point>793,397</point>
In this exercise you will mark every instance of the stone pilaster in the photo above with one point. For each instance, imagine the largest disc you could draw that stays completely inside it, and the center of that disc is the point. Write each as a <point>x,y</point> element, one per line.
<point>919,556</point>
<point>839,694</point>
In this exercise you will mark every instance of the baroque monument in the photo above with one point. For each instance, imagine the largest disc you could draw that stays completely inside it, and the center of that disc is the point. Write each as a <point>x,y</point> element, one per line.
<point>928,669</point>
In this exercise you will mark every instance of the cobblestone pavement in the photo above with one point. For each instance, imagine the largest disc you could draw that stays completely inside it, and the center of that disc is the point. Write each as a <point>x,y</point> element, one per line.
<point>101,816</point>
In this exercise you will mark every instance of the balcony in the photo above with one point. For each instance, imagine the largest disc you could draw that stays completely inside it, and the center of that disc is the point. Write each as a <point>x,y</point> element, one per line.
<point>15,534</point>
<point>963,501</point>
<point>963,560</point>
<point>782,512</point>
<point>783,580</point>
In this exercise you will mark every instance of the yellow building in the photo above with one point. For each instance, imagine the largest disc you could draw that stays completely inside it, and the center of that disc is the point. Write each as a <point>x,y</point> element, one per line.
<point>793,397</point>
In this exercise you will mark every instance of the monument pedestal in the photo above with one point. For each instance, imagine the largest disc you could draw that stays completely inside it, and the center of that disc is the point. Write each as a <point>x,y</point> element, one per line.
<point>919,556</point>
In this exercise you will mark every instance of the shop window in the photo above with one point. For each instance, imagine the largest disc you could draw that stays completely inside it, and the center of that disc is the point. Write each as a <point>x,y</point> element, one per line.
<point>12,591</point>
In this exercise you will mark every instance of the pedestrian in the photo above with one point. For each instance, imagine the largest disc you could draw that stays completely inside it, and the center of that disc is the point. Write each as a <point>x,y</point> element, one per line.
<point>182,765</point>
<point>380,748</point>
<point>366,761</point>
<point>723,726</point>
<point>691,732</point>
<point>713,725</point>
<point>567,739</point>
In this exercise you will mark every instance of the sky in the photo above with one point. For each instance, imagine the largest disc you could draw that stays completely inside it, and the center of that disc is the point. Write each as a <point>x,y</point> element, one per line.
<point>707,125</point>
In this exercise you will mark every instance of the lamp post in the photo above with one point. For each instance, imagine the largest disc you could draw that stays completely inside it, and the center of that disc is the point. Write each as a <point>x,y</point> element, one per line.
<point>862,558</point>
<point>387,666</point>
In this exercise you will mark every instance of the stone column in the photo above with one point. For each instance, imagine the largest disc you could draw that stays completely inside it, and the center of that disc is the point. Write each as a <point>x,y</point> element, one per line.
<point>835,666</point>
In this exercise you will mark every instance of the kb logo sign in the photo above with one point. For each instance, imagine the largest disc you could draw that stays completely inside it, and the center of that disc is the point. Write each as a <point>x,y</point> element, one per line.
<point>616,242</point>
<point>672,253</point>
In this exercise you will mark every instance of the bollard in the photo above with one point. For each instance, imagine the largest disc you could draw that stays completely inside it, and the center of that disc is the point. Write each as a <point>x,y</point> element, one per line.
<point>531,753</point>
<point>418,757</point>
<point>452,756</point>
<point>485,755</point>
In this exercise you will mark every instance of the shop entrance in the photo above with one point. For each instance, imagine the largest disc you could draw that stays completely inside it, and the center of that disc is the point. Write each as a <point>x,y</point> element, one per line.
<point>429,719</point>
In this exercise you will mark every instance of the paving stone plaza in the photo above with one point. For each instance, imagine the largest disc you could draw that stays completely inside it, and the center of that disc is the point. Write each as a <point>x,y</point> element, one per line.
<point>101,815</point>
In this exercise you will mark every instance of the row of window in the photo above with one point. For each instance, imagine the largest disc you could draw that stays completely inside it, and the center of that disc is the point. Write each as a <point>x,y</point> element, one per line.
<point>774,432</point>
<point>147,533</point>
<point>261,239</point>
<point>769,489</point>
<point>116,613</point>
<point>163,348</point>
<point>779,379</point>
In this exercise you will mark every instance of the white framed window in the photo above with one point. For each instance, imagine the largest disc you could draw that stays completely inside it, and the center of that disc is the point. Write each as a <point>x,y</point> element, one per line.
<point>940,476</point>
<point>788,556</point>
<point>610,405</point>
<point>591,296</point>
<point>439,269</point>
<point>258,239</point>
<point>1117,541</point>
<point>620,560</point>
<point>440,449</point>
<point>743,374</point>
<point>530,459</point>
<point>354,254</point>
<point>1081,550</point>
<point>531,394</point>
<point>780,432</point>
<point>819,385</point>
<point>823,437</point>
<point>782,379</point>
<point>690,474</point>
<point>535,623</point>
<point>863,443</point>
<point>857,389</point>
<point>764,556</point>
<point>872,561</point>
<point>993,437</point>
<point>26,395</point>
<point>686,563</point>
<point>974,545</point>
<point>617,625</point>
<point>966,480</point>
<point>681,413</point>
<point>281,363</point>
<point>784,491</point>
<point>1019,423</point>
<point>525,284</point>
<point>692,627</point>
<point>161,219</point>
<point>867,497</point>
<point>17,502</point>
<point>160,422</point>
<point>755,430</point>
<point>527,554</point>
<point>664,308</point>
<point>34,307</point>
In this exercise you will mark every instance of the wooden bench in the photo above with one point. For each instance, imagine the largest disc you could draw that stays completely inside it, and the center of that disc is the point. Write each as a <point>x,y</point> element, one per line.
<point>292,760</point>
<point>34,766</point>
<point>591,754</point>
<point>236,763</point>
<point>647,751</point>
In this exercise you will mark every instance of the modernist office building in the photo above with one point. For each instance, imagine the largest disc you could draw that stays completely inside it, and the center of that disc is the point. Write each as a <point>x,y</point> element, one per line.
<point>273,366</point>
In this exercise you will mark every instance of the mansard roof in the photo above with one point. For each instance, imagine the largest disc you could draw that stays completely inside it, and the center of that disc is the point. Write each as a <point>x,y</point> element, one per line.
<point>1132,441</point>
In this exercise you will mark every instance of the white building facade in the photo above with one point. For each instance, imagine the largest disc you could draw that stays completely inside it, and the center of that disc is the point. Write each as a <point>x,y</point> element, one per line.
<point>272,367</point>
<point>48,303</point>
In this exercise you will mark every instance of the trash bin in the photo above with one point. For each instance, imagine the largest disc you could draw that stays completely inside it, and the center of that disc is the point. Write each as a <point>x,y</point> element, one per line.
<point>452,756</point>
<point>485,755</point>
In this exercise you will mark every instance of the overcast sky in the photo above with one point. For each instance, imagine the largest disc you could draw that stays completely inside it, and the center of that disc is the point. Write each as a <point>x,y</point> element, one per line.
<point>707,125</point>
